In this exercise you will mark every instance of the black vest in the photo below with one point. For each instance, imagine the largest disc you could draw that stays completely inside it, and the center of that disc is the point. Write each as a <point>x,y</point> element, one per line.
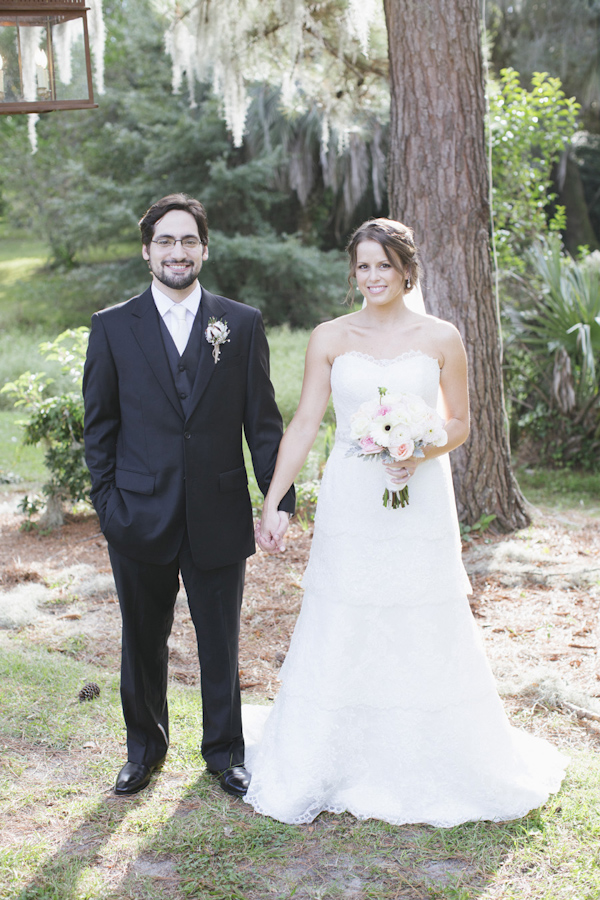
<point>184,367</point>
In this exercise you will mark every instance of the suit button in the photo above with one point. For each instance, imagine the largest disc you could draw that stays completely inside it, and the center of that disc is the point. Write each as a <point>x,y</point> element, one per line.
<point>187,435</point>
<point>182,395</point>
<point>181,368</point>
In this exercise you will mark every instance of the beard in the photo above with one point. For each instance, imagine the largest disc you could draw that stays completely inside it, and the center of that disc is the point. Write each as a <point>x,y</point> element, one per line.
<point>175,280</point>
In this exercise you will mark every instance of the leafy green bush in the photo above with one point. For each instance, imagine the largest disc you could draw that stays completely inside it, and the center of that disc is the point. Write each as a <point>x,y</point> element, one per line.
<point>57,423</point>
<point>529,131</point>
<point>19,350</point>
<point>288,349</point>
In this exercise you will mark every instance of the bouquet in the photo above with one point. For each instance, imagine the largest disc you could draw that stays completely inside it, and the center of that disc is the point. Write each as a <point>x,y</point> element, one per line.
<point>394,428</point>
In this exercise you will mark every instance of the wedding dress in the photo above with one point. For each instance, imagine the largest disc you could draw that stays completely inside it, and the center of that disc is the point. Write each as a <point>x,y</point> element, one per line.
<point>388,708</point>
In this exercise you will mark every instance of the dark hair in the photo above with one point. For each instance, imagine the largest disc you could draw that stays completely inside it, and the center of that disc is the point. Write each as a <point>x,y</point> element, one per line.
<point>397,241</point>
<point>165,205</point>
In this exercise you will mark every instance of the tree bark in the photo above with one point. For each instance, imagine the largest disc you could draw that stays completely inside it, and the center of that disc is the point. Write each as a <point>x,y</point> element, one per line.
<point>438,183</point>
<point>54,514</point>
<point>579,230</point>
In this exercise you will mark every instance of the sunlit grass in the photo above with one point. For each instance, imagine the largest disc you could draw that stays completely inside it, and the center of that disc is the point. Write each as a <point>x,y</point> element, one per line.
<point>27,463</point>
<point>184,837</point>
<point>561,489</point>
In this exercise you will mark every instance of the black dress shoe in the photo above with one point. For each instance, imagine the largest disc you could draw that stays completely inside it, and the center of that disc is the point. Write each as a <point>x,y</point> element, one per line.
<point>134,777</point>
<point>235,780</point>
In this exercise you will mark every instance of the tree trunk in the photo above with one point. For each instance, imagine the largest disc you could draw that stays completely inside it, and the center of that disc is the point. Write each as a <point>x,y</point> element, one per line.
<point>54,514</point>
<point>438,184</point>
<point>570,195</point>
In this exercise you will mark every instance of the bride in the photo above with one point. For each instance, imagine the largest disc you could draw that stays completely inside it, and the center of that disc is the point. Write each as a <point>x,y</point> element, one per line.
<point>388,707</point>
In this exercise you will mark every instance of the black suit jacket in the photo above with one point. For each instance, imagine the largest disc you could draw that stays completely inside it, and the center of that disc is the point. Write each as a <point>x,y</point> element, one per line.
<point>153,470</point>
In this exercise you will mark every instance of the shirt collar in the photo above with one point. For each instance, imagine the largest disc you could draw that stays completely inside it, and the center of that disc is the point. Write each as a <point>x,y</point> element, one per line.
<point>164,303</point>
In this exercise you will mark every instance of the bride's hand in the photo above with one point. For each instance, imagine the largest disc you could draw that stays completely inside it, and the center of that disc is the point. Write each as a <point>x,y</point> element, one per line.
<point>401,472</point>
<point>270,530</point>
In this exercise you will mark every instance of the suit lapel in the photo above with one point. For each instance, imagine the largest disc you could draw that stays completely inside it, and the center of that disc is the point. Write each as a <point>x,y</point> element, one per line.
<point>209,307</point>
<point>146,329</point>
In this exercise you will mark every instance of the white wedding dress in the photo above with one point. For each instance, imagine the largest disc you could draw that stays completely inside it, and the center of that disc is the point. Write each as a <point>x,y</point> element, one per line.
<point>388,708</point>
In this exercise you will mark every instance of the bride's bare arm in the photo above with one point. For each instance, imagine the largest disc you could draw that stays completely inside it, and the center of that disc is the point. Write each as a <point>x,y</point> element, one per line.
<point>455,398</point>
<point>455,393</point>
<point>300,433</point>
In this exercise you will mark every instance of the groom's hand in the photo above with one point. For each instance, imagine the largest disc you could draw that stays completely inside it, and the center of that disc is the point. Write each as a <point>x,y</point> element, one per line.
<point>270,530</point>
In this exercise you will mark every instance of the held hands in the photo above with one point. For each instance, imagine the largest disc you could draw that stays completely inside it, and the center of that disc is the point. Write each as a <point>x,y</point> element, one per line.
<point>270,530</point>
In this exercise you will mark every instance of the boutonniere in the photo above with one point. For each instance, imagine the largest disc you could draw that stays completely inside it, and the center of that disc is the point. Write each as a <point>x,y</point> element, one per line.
<point>217,333</point>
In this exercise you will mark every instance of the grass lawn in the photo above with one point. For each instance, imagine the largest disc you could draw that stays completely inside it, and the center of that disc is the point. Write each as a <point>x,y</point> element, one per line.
<point>25,462</point>
<point>66,836</point>
<point>561,488</point>
<point>35,298</point>
<point>20,258</point>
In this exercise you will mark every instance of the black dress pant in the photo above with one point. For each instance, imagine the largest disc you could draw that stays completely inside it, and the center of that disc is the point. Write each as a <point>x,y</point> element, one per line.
<point>147,596</point>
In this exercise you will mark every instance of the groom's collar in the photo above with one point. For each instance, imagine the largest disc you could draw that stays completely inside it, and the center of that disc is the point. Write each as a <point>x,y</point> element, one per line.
<point>164,303</point>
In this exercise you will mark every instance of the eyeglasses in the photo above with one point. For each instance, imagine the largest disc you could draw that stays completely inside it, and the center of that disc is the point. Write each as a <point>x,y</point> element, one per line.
<point>188,243</point>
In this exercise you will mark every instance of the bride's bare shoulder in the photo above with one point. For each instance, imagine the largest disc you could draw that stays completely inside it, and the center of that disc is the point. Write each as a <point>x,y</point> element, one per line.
<point>332,336</point>
<point>442,329</point>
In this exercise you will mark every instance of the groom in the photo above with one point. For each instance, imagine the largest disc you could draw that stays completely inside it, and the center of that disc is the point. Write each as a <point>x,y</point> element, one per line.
<point>167,397</point>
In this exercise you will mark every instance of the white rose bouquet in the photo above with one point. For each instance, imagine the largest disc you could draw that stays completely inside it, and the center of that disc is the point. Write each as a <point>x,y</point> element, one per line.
<point>393,429</point>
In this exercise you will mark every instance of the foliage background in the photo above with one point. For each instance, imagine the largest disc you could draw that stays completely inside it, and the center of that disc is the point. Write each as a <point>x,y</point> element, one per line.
<point>282,204</point>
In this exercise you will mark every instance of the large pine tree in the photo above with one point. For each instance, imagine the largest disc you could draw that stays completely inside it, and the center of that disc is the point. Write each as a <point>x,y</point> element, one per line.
<point>439,184</point>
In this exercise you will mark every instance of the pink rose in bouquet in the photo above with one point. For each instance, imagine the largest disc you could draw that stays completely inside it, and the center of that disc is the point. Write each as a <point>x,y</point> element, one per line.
<point>368,445</point>
<point>402,451</point>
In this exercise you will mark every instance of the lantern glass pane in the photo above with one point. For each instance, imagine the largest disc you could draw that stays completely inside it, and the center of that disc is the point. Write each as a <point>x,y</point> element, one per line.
<point>70,72</point>
<point>10,77</point>
<point>42,59</point>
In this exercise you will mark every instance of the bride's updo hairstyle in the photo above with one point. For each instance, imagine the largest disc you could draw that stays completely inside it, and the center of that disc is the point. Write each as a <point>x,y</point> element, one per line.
<point>398,244</point>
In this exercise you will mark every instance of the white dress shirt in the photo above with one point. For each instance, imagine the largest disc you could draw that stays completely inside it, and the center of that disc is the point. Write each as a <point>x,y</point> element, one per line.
<point>164,306</point>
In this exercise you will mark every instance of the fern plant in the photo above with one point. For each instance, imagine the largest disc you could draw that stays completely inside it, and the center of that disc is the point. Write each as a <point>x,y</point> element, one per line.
<point>560,332</point>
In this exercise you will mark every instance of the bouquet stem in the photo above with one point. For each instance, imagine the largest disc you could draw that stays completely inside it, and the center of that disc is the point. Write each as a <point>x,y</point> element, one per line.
<point>395,499</point>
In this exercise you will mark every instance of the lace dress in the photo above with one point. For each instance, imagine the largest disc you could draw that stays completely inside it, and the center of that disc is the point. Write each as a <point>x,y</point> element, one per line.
<point>388,707</point>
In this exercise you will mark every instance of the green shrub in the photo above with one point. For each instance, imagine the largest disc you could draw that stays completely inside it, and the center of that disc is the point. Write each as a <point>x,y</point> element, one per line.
<point>56,421</point>
<point>529,131</point>
<point>20,350</point>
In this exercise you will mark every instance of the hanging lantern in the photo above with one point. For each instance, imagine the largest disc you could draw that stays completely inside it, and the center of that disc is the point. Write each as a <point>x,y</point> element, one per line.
<point>44,56</point>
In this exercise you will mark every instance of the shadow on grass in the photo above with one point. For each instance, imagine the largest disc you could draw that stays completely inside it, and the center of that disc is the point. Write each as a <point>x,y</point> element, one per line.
<point>213,846</point>
<point>203,844</point>
<point>58,878</point>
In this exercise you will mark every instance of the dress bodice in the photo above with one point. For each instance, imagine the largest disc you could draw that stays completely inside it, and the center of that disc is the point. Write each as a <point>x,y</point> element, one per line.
<point>356,377</point>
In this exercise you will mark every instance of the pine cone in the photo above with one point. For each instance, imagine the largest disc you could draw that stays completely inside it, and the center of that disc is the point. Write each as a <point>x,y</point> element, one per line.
<point>89,691</point>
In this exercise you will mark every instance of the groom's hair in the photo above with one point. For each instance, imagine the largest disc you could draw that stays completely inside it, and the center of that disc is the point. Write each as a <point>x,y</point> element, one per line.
<point>165,205</point>
<point>398,243</point>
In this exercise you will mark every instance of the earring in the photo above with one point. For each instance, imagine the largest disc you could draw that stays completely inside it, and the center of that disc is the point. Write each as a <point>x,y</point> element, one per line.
<point>408,284</point>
